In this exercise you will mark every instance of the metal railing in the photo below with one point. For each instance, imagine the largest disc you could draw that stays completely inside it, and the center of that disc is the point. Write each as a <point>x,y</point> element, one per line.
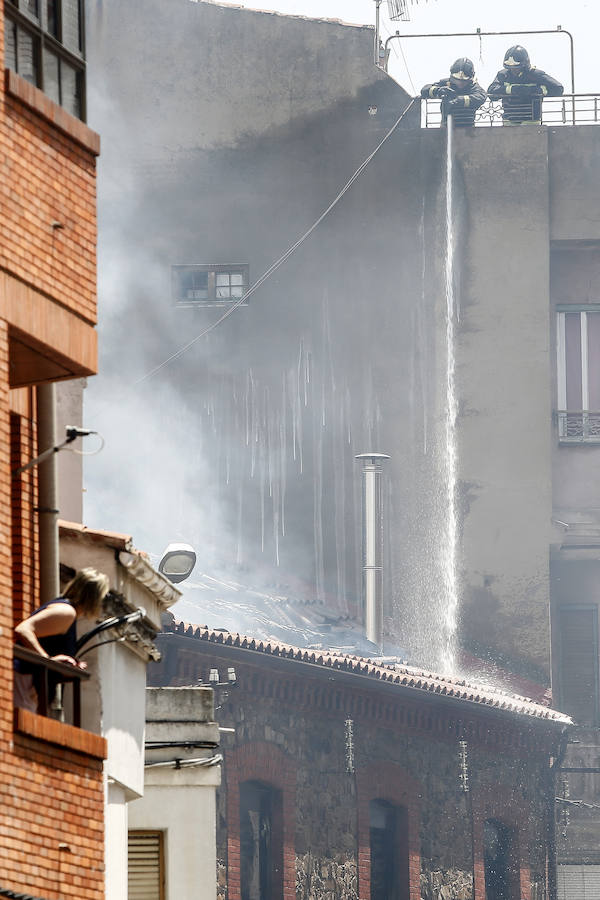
<point>47,674</point>
<point>569,109</point>
<point>578,426</point>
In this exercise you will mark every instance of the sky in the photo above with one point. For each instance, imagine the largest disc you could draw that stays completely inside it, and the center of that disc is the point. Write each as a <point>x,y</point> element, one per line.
<point>415,61</point>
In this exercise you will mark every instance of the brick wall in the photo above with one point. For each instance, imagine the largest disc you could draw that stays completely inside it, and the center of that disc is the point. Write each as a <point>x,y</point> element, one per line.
<point>47,199</point>
<point>51,785</point>
<point>405,752</point>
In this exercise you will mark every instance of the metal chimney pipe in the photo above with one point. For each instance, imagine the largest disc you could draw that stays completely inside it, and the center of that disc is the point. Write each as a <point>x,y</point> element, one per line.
<point>372,518</point>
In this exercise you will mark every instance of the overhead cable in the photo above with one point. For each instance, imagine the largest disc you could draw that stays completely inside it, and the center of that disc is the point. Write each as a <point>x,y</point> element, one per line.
<point>281,259</point>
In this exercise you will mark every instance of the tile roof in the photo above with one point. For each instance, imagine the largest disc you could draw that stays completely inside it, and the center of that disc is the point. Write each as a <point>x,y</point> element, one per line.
<point>398,674</point>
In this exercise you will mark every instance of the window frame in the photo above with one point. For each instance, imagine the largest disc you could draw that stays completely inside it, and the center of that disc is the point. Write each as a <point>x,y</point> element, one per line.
<point>567,609</point>
<point>271,867</point>
<point>400,886</point>
<point>511,861</point>
<point>588,431</point>
<point>45,43</point>
<point>212,270</point>
<point>160,834</point>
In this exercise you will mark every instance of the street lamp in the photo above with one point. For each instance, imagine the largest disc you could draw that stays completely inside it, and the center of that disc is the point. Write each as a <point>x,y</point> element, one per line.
<point>178,562</point>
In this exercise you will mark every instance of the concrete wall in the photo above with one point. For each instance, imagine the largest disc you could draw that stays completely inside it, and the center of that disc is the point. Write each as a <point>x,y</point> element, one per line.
<point>574,158</point>
<point>503,376</point>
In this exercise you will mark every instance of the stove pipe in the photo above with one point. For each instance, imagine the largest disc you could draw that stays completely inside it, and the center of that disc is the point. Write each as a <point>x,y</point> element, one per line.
<point>372,543</point>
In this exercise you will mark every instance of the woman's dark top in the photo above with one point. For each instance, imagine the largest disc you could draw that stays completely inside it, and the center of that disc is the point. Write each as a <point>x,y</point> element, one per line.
<point>53,644</point>
<point>59,643</point>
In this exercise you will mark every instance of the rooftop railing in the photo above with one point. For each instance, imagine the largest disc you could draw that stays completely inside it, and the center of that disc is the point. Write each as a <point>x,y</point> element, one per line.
<point>569,109</point>
<point>48,673</point>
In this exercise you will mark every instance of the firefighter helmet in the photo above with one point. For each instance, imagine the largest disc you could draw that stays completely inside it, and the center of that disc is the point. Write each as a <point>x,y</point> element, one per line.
<point>516,59</point>
<point>462,70</point>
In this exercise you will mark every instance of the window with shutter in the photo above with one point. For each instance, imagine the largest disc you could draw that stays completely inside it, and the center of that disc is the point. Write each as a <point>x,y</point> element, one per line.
<point>578,882</point>
<point>579,663</point>
<point>145,866</point>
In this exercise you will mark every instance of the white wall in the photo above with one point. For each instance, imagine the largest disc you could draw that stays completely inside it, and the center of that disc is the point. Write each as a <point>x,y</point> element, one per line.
<point>115,851</point>
<point>182,804</point>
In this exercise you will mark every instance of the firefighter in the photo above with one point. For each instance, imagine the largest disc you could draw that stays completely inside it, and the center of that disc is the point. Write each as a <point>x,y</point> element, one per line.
<point>521,87</point>
<point>460,94</point>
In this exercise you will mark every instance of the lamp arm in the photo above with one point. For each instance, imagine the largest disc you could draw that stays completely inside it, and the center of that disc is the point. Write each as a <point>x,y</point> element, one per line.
<point>113,622</point>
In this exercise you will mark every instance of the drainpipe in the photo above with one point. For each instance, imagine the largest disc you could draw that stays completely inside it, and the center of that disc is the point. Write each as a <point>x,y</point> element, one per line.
<point>47,494</point>
<point>373,546</point>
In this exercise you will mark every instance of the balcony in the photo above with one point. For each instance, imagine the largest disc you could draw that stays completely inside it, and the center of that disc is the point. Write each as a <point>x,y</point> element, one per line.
<point>39,725</point>
<point>570,109</point>
<point>578,426</point>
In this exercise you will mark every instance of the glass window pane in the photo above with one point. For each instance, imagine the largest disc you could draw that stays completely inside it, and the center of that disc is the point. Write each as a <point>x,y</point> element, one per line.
<point>200,281</point>
<point>237,291</point>
<point>26,63</point>
<point>222,277</point>
<point>573,362</point>
<point>51,83</point>
<point>593,322</point>
<point>32,7</point>
<point>237,278</point>
<point>223,293</point>
<point>10,45</point>
<point>69,89</point>
<point>52,17</point>
<point>71,31</point>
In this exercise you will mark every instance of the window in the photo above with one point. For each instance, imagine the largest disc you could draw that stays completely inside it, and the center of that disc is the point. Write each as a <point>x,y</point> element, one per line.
<point>145,865</point>
<point>209,285</point>
<point>578,370</point>
<point>579,663</point>
<point>261,846</point>
<point>389,851</point>
<point>501,874</point>
<point>43,43</point>
<point>578,882</point>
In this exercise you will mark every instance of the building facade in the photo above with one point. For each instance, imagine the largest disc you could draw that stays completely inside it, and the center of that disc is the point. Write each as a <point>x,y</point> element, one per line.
<point>52,846</point>
<point>345,779</point>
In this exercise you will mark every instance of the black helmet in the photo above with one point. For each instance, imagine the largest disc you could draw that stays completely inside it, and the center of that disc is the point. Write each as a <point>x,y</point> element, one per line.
<point>462,70</point>
<point>516,59</point>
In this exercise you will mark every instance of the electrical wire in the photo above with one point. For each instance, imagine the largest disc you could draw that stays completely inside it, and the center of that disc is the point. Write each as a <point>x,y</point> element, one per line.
<point>186,763</point>
<point>281,259</point>
<point>414,90</point>
<point>580,803</point>
<point>87,452</point>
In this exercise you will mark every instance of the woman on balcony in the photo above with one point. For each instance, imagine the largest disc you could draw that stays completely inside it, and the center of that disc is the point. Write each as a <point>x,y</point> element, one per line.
<point>51,630</point>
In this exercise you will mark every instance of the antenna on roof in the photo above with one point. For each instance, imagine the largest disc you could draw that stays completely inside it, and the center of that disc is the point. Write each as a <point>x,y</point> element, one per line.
<point>398,10</point>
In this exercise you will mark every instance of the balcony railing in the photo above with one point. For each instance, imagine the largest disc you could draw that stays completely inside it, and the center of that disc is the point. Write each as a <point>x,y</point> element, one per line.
<point>578,426</point>
<point>63,673</point>
<point>570,109</point>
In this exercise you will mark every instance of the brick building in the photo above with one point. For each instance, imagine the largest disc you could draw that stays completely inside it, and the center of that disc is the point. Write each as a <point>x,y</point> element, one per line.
<point>336,766</point>
<point>51,788</point>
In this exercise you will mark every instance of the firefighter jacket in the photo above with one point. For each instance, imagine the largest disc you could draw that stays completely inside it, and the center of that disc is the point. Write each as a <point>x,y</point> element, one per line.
<point>461,104</point>
<point>522,94</point>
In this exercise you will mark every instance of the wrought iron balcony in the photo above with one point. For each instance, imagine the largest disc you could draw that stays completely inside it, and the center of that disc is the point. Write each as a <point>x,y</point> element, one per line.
<point>578,426</point>
<point>569,109</point>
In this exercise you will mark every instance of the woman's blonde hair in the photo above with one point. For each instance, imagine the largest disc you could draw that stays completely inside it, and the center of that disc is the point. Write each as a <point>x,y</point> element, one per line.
<point>86,591</point>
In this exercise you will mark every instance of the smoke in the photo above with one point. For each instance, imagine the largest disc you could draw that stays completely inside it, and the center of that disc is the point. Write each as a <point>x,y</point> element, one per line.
<point>244,447</point>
